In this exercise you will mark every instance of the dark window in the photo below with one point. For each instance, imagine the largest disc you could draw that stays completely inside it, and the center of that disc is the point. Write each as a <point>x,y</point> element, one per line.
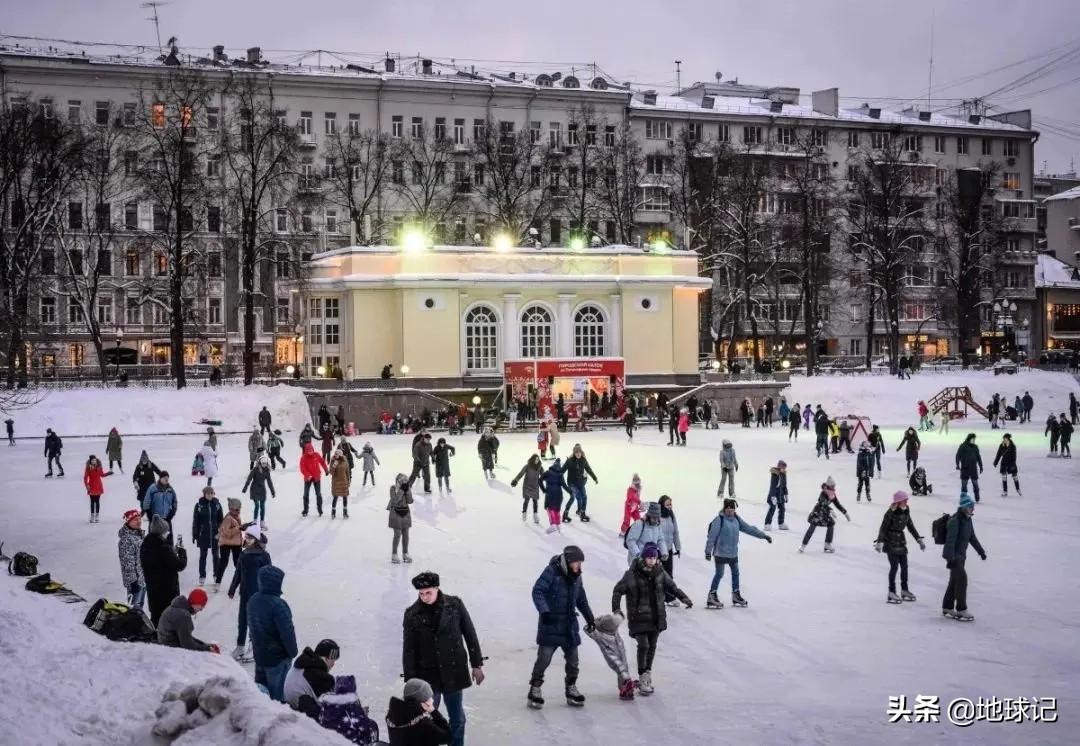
<point>76,258</point>
<point>213,219</point>
<point>161,220</point>
<point>556,231</point>
<point>187,220</point>
<point>102,217</point>
<point>75,221</point>
<point>131,216</point>
<point>48,262</point>
<point>213,264</point>
<point>104,262</point>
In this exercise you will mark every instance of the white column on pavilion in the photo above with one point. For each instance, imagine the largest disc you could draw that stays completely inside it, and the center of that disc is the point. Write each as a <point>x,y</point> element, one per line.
<point>564,335</point>
<point>614,326</point>
<point>510,325</point>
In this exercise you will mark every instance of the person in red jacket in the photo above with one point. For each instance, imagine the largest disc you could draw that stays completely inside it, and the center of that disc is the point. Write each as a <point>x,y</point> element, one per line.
<point>924,416</point>
<point>632,508</point>
<point>542,437</point>
<point>92,477</point>
<point>312,468</point>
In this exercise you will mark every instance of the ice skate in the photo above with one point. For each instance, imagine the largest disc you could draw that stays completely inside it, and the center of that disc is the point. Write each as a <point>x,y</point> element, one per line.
<point>523,516</point>
<point>963,616</point>
<point>829,549</point>
<point>907,595</point>
<point>768,527</point>
<point>712,602</point>
<point>202,582</point>
<point>91,518</point>
<point>535,698</point>
<point>585,518</point>
<point>241,653</point>
<point>550,530</point>
<point>49,475</point>
<point>783,527</point>
<point>217,586</point>
<point>566,518</point>
<point>536,519</point>
<point>1004,493</point>
<point>344,512</point>
<point>303,514</point>
<point>574,698</point>
<point>262,525</point>
<point>406,559</point>
<point>738,600</point>
<point>645,684</point>
<point>626,690</point>
<point>893,598</point>
<point>802,548</point>
<point>333,513</point>
<point>395,560</point>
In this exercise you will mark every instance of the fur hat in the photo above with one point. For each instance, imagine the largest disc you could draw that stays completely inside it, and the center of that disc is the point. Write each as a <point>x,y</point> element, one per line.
<point>608,623</point>
<point>900,497</point>
<point>426,580</point>
<point>417,690</point>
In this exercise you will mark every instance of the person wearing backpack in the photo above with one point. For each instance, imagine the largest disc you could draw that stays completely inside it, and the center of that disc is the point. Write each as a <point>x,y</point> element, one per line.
<point>646,530</point>
<point>892,541</point>
<point>129,542</point>
<point>253,558</point>
<point>274,444</point>
<point>722,547</point>
<point>205,520</point>
<point>1006,457</point>
<point>970,465</point>
<point>53,447</point>
<point>162,564</point>
<point>959,533</point>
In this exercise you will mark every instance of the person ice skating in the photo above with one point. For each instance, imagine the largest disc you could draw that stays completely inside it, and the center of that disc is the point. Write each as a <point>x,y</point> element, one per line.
<point>629,423</point>
<point>421,455</point>
<point>160,500</point>
<point>323,417</point>
<point>960,532</point>
<point>348,452</point>
<point>924,415</point>
<point>761,414</point>
<point>661,410</point>
<point>632,506</point>
<point>864,470</point>
<point>554,484</point>
<point>1006,459</point>
<point>207,455</point>
<point>911,445</point>
<point>729,464</point>
<point>554,436</point>
<point>821,515</point>
<point>339,419</point>
<point>529,476</point>
<point>309,677</point>
<point>558,595</point>
<point>307,435</point>
<point>259,480</point>
<point>253,558</point>
<point>821,432</point>
<point>437,632</point>
<point>746,415</point>
<point>834,436</point>
<point>205,521</point>
<point>114,450</point>
<point>230,540</point>
<point>577,470</point>
<point>1029,404</point>
<point>892,541</point>
<point>92,480</point>
<point>10,425</point>
<point>145,474</point>
<point>646,530</point>
<point>326,443</point>
<point>793,423</point>
<point>1053,429</point>
<point>312,468</point>
<point>877,444</point>
<point>1066,429</point>
<point>487,448</point>
<point>970,465</point>
<point>673,425</point>
<point>53,446</point>
<point>274,444</point>
<point>129,542</point>
<point>177,627</point>
<point>369,461</point>
<point>264,421</point>
<point>273,637</point>
<point>340,479</point>
<point>684,425</point>
<point>255,444</point>
<point>644,585</point>
<point>670,527</point>
<point>722,547</point>
<point>605,633</point>
<point>845,436</point>
<point>807,413</point>
<point>1074,412</point>
<point>918,483</point>
<point>412,719</point>
<point>784,410</point>
<point>542,437</point>
<point>400,520</point>
<point>162,564</point>
<point>778,495</point>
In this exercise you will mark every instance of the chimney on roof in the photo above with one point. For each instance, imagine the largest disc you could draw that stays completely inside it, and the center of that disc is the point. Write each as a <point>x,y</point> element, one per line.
<point>924,116</point>
<point>826,102</point>
<point>219,53</point>
<point>776,107</point>
<point>513,76</point>
<point>389,64</point>
<point>874,113</point>
<point>254,55</point>
<point>650,97</point>
<point>425,66</point>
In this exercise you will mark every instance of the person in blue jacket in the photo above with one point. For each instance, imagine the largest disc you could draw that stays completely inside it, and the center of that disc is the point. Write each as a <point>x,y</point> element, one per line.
<point>722,547</point>
<point>160,499</point>
<point>554,484</point>
<point>246,578</point>
<point>273,638</point>
<point>558,595</point>
<point>959,534</point>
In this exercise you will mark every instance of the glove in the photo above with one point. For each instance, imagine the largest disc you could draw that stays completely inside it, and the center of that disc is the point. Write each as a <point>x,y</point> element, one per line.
<point>922,545</point>
<point>590,627</point>
<point>215,649</point>
<point>513,483</point>
<point>232,596</point>
<point>877,546</point>
<point>678,553</point>
<point>768,538</point>
<point>983,556</point>
<point>688,603</point>
<point>708,557</point>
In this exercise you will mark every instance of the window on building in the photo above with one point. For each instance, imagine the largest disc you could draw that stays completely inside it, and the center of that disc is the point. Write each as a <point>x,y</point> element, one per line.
<point>878,140</point>
<point>556,230</point>
<point>785,135</point>
<point>330,123</point>
<point>104,262</point>
<point>282,265</point>
<point>572,134</point>
<point>333,334</point>
<point>131,263</point>
<point>315,333</point>
<point>76,355</point>
<point>534,132</point>
<point>132,311</point>
<point>160,314</point>
<point>75,312</point>
<point>654,165</point>
<point>74,115</point>
<point>315,308</point>
<point>331,308</point>
<point>723,133</point>
<point>440,129</point>
<point>330,222</point>
<point>694,131</point>
<point>1012,244</point>
<point>855,347</point>
<point>397,172</point>
<point>1010,180</point>
<point>131,216</point>
<point>104,311</point>
<point>481,339</point>
<point>213,118</point>
<point>962,145</point>
<point>303,125</point>
<point>281,220</point>
<point>281,311</point>
<point>459,132</point>
<point>751,135</point>
<point>101,113</point>
<point>48,262</point>
<point>213,311</point>
<point>939,143</point>
<point>819,138</point>
<point>537,331</point>
<point>478,174</point>
<point>555,134</point>
<point>75,257</point>
<point>609,136</point>
<point>161,219</point>
<point>75,216</point>
<point>590,134</point>
<point>654,198</point>
<point>987,146</point>
<point>213,167</point>
<point>913,143</point>
<point>657,129</point>
<point>416,131</point>
<point>307,221</point>
<point>157,115</point>
<point>213,263</point>
<point>213,219</point>
<point>1012,148</point>
<point>589,332</point>
<point>161,263</point>
<point>853,138</point>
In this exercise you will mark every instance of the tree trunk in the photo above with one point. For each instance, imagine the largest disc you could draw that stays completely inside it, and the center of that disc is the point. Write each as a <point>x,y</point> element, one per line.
<point>99,349</point>
<point>176,316</point>
<point>249,312</point>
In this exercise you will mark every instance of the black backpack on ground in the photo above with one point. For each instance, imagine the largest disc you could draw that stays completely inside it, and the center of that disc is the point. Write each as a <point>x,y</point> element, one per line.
<point>23,564</point>
<point>120,622</point>
<point>939,529</point>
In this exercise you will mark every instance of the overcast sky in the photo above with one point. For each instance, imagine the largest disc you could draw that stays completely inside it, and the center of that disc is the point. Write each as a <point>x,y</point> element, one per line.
<point>868,49</point>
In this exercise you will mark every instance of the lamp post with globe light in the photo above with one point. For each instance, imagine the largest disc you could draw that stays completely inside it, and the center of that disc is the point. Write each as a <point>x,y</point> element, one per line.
<point>119,339</point>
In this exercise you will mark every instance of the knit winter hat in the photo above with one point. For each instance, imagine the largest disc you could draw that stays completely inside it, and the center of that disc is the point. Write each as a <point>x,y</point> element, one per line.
<point>653,511</point>
<point>573,554</point>
<point>900,497</point>
<point>730,503</point>
<point>197,597</point>
<point>234,503</point>
<point>328,649</point>
<point>635,480</point>
<point>725,443</point>
<point>650,550</point>
<point>159,527</point>
<point>966,500</point>
<point>254,532</point>
<point>131,514</point>
<point>426,580</point>
<point>830,482</point>
<point>781,464</point>
<point>418,690</point>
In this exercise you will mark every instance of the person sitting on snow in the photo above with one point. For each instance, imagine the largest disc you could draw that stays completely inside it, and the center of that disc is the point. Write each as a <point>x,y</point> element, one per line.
<point>310,678</point>
<point>177,623</point>
<point>918,483</point>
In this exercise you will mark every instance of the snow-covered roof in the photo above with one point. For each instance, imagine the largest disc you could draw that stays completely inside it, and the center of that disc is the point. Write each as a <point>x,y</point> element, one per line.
<point>761,107</point>
<point>553,251</point>
<point>1073,193</point>
<point>468,279</point>
<point>1051,272</point>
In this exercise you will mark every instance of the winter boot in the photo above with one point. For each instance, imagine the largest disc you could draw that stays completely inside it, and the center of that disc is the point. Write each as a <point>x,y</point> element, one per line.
<point>262,525</point>
<point>963,616</point>
<point>626,690</point>
<point>566,518</point>
<point>240,653</point>
<point>536,519</point>
<point>783,527</point>
<point>829,549</point>
<point>535,698</point>
<point>645,684</point>
<point>523,516</point>
<point>738,600</point>
<point>406,559</point>
<point>907,595</point>
<point>574,698</point>
<point>585,518</point>
<point>202,582</point>
<point>394,559</point>
<point>893,598</point>
<point>333,513</point>
<point>344,512</point>
<point>91,518</point>
<point>49,475</point>
<point>712,602</point>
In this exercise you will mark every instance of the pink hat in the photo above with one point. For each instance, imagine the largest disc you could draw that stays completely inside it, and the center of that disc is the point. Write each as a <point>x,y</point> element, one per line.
<point>900,497</point>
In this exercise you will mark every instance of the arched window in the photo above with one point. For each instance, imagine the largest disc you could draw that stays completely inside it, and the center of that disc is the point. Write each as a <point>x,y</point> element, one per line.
<point>536,332</point>
<point>589,332</point>
<point>481,339</point>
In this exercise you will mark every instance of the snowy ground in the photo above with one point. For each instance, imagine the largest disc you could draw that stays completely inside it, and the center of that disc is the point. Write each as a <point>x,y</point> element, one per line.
<point>814,658</point>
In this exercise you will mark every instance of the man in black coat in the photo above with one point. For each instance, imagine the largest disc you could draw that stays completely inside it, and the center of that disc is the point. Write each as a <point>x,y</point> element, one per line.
<point>162,564</point>
<point>205,522</point>
<point>959,534</point>
<point>53,446</point>
<point>145,474</point>
<point>1006,460</point>
<point>264,421</point>
<point>661,409</point>
<point>970,464</point>
<point>673,425</point>
<point>432,649</point>
<point>1029,404</point>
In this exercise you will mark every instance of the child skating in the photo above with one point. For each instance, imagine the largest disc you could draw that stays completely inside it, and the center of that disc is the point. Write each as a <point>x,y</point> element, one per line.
<point>370,460</point>
<point>822,515</point>
<point>892,541</point>
<point>864,470</point>
<point>1006,461</point>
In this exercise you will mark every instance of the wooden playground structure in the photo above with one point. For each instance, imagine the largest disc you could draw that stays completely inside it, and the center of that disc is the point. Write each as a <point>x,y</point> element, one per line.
<point>955,396</point>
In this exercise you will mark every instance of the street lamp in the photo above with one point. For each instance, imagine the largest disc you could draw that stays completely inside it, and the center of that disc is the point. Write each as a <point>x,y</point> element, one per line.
<point>404,370</point>
<point>321,370</point>
<point>297,339</point>
<point>119,339</point>
<point>290,369</point>
<point>476,400</point>
<point>1004,318</point>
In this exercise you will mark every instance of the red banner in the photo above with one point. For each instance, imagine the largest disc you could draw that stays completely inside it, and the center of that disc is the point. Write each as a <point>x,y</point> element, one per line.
<point>592,385</point>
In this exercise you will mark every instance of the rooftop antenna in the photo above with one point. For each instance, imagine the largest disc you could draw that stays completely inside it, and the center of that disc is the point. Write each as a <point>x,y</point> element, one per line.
<point>154,5</point>
<point>930,73</point>
<point>678,75</point>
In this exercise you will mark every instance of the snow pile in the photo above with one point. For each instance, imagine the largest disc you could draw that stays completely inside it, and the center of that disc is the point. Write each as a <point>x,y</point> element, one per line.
<point>890,401</point>
<point>139,411</point>
<point>64,684</point>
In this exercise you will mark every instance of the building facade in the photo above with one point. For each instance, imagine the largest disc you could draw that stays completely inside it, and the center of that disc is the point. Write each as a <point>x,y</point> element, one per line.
<point>418,100</point>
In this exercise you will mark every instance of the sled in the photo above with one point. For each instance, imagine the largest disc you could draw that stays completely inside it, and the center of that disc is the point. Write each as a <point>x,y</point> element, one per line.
<point>209,423</point>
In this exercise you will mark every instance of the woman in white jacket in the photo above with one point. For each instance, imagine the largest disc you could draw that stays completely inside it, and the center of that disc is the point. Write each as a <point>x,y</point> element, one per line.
<point>209,460</point>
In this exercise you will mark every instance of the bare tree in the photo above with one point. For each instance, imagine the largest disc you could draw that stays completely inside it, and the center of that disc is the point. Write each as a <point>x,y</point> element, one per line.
<point>578,196</point>
<point>885,214</point>
<point>429,177</point>
<point>260,152</point>
<point>40,159</point>
<point>515,189</point>
<point>358,164</point>
<point>619,165</point>
<point>171,175</point>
